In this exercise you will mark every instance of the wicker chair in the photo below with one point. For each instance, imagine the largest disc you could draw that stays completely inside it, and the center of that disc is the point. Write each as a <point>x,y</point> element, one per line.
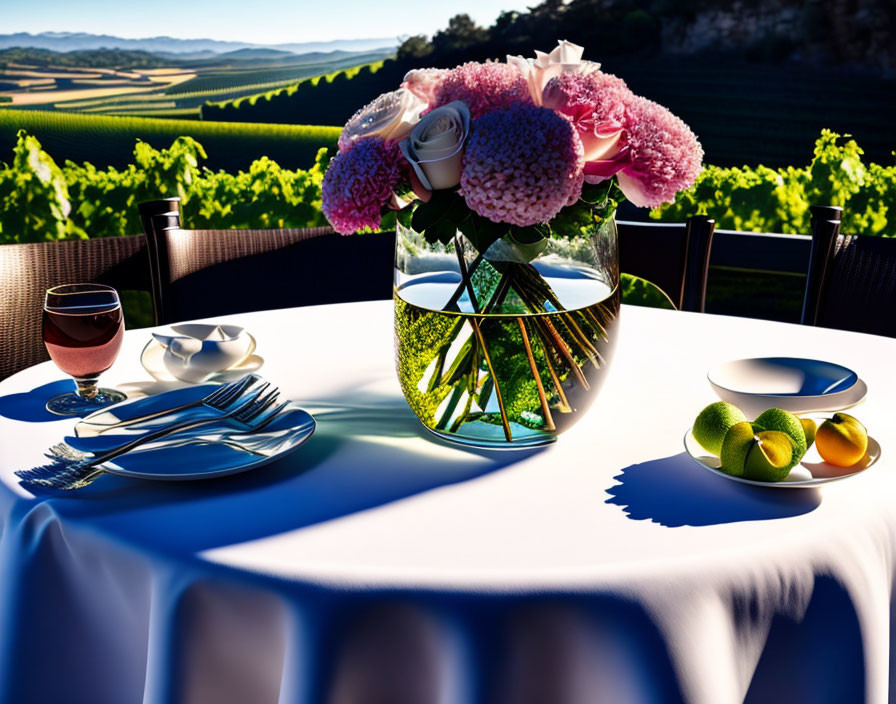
<point>851,284</point>
<point>674,256</point>
<point>28,270</point>
<point>204,273</point>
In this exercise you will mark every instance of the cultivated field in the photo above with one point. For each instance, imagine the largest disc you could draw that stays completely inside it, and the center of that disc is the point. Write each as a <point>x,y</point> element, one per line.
<point>35,86</point>
<point>172,91</point>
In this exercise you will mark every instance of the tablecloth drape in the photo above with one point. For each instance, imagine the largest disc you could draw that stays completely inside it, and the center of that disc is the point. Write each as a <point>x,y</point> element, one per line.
<point>379,565</point>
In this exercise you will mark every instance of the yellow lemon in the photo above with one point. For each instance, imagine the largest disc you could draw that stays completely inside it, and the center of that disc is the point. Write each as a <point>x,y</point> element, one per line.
<point>809,428</point>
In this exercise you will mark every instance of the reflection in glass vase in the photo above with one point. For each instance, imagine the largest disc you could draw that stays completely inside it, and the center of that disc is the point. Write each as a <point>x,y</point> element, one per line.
<point>505,348</point>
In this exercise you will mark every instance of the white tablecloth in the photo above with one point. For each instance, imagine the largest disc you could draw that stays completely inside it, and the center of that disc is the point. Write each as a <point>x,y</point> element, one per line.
<point>377,565</point>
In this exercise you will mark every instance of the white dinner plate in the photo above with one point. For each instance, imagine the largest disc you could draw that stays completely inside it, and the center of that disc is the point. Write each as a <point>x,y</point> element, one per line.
<point>152,359</point>
<point>213,450</point>
<point>795,384</point>
<point>811,471</point>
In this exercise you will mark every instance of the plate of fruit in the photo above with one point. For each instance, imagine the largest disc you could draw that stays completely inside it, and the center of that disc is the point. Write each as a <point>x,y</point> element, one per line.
<point>778,448</point>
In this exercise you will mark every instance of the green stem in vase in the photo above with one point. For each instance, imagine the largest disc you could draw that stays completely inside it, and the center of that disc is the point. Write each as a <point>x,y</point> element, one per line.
<point>533,290</point>
<point>545,407</point>
<point>455,297</point>
<point>550,333</point>
<point>561,394</point>
<point>478,332</point>
<point>449,409</point>
<point>464,273</point>
<point>561,345</point>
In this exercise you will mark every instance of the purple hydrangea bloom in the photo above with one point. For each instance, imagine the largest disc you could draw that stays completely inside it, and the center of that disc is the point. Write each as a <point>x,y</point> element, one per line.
<point>359,182</point>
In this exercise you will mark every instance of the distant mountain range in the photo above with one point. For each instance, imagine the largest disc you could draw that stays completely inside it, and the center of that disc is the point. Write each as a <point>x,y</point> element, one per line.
<point>74,41</point>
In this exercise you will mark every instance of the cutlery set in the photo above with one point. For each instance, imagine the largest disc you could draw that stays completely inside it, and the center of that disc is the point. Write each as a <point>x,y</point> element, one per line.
<point>244,408</point>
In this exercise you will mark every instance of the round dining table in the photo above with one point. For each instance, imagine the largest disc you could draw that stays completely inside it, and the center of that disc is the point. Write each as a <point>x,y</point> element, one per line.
<point>377,564</point>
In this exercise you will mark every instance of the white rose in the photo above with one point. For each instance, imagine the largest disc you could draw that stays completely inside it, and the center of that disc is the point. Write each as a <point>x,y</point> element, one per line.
<point>391,116</point>
<point>566,58</point>
<point>435,146</point>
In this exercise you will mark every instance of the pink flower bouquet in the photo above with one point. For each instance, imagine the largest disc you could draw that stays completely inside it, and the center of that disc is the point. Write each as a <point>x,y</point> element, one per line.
<point>523,162</point>
<point>526,148</point>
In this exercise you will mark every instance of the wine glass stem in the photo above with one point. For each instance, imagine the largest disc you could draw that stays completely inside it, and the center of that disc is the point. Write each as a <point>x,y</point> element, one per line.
<point>87,388</point>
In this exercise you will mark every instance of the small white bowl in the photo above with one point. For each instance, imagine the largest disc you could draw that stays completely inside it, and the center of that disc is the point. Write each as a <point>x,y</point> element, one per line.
<point>197,353</point>
<point>795,384</point>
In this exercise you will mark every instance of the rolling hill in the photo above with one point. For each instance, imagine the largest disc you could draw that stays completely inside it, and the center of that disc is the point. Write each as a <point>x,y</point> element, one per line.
<point>109,141</point>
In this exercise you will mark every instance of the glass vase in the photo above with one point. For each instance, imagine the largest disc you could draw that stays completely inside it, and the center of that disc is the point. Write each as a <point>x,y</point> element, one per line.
<point>505,348</point>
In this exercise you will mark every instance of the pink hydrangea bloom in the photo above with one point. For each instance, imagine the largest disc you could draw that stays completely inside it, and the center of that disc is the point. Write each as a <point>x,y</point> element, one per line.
<point>665,156</point>
<point>483,87</point>
<point>595,103</point>
<point>359,182</point>
<point>522,165</point>
<point>659,156</point>
<point>423,82</point>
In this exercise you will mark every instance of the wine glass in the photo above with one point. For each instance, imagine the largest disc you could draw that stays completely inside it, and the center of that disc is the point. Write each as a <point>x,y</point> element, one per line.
<point>83,326</point>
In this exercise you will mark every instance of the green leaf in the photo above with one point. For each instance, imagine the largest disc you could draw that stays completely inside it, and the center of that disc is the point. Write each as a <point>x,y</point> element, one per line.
<point>405,216</point>
<point>442,205</point>
<point>482,232</point>
<point>641,292</point>
<point>531,234</point>
<point>442,230</point>
<point>596,193</point>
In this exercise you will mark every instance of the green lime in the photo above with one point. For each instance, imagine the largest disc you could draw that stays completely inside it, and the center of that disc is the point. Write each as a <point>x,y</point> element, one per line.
<point>738,440</point>
<point>713,422</point>
<point>770,457</point>
<point>785,422</point>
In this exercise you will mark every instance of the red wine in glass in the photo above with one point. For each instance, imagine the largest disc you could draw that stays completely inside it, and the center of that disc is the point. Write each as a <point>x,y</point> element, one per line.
<point>83,328</point>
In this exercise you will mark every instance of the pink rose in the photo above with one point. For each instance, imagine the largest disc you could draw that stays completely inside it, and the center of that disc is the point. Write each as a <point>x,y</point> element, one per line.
<point>565,58</point>
<point>595,103</point>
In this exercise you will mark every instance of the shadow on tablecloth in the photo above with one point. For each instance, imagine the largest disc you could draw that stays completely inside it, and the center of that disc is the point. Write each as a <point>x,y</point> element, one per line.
<point>31,406</point>
<point>674,492</point>
<point>368,450</point>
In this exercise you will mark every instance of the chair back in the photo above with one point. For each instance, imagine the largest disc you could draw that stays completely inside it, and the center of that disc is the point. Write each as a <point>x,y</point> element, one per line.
<point>674,256</point>
<point>851,283</point>
<point>204,273</point>
<point>28,270</point>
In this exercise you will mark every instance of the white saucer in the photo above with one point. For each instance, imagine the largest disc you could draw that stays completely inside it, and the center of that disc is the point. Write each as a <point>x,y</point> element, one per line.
<point>152,360</point>
<point>795,384</point>
<point>811,471</point>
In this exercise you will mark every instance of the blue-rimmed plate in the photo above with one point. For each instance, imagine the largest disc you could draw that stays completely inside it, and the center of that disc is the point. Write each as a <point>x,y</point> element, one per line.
<point>212,450</point>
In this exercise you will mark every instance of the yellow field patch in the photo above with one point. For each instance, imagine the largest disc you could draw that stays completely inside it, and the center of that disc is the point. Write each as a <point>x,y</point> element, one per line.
<point>38,73</point>
<point>171,79</point>
<point>41,88</point>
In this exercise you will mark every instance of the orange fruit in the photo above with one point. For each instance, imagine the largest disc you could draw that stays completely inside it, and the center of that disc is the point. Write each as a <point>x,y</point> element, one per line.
<point>841,440</point>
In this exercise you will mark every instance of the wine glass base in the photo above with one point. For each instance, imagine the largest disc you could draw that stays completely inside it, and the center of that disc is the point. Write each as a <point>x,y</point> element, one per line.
<point>71,404</point>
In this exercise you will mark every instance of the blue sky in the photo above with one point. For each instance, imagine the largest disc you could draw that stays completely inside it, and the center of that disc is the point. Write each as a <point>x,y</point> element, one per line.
<point>257,21</point>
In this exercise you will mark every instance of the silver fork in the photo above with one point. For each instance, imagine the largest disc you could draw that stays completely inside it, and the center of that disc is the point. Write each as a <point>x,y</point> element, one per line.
<point>253,412</point>
<point>218,400</point>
